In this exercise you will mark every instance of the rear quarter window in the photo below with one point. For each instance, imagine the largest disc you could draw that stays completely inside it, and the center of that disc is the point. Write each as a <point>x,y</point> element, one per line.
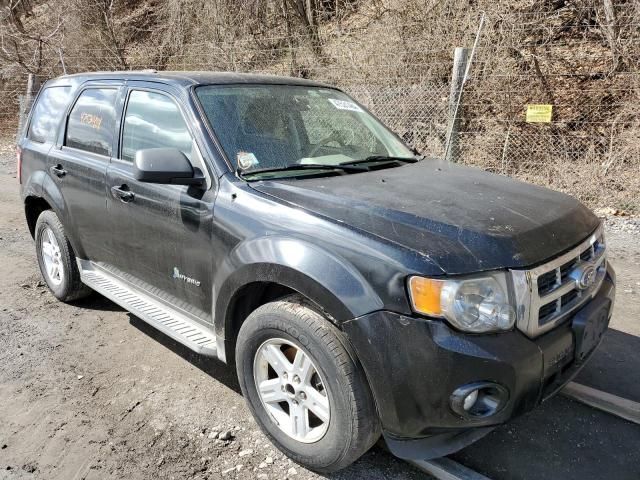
<point>92,121</point>
<point>47,113</point>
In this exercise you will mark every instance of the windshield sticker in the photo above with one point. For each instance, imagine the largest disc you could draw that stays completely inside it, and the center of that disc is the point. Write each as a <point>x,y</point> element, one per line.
<point>246,160</point>
<point>345,105</point>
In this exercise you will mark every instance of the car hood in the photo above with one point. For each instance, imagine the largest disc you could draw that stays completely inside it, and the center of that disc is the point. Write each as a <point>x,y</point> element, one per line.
<point>462,218</point>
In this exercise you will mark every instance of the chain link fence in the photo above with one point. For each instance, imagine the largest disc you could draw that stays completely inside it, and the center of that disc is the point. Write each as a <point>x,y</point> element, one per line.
<point>418,113</point>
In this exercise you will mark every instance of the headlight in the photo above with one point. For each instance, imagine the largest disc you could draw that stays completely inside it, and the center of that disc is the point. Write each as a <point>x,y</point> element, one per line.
<point>474,304</point>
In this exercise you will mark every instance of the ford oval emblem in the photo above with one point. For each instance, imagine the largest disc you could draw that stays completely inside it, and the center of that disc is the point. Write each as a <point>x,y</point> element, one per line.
<point>585,276</point>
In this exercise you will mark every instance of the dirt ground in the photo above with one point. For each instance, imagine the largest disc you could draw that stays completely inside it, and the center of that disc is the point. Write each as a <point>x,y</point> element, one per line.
<point>88,391</point>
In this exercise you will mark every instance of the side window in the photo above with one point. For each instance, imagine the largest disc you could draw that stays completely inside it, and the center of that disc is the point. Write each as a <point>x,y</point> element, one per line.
<point>47,112</point>
<point>92,121</point>
<point>153,120</point>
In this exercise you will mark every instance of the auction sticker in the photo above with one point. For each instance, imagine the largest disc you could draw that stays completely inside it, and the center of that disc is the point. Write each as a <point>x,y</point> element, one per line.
<point>345,105</point>
<point>246,160</point>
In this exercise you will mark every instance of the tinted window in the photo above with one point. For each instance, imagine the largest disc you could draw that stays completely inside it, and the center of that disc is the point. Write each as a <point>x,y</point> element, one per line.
<point>47,113</point>
<point>92,121</point>
<point>153,120</point>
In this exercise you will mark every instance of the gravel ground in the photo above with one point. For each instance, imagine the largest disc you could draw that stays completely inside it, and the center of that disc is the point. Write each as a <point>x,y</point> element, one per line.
<point>88,391</point>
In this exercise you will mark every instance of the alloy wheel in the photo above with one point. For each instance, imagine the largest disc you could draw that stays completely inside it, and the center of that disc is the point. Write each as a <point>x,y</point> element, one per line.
<point>291,390</point>
<point>52,257</point>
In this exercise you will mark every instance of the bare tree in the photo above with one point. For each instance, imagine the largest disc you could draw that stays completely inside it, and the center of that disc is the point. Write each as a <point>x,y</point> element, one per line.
<point>24,45</point>
<point>98,20</point>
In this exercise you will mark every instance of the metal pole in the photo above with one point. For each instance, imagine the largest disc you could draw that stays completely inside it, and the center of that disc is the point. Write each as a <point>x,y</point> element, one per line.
<point>31,80</point>
<point>454,117</point>
<point>33,87</point>
<point>24,104</point>
<point>460,60</point>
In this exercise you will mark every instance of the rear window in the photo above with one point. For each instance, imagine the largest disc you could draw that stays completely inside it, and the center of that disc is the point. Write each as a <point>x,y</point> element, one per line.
<point>92,121</point>
<point>47,113</point>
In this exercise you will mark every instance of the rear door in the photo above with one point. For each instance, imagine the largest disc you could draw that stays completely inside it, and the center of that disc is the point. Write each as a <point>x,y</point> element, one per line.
<point>161,234</point>
<point>79,166</point>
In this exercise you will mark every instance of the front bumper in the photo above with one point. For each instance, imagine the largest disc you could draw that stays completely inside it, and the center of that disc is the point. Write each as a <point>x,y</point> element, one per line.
<point>414,364</point>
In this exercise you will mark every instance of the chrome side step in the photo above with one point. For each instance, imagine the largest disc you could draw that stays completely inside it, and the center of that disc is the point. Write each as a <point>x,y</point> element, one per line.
<point>172,323</point>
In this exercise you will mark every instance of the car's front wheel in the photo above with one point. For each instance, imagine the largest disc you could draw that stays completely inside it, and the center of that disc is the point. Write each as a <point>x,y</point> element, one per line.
<point>304,386</point>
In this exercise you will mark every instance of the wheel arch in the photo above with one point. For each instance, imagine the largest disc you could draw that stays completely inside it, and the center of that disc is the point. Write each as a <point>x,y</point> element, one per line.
<point>328,282</point>
<point>33,207</point>
<point>235,307</point>
<point>49,197</point>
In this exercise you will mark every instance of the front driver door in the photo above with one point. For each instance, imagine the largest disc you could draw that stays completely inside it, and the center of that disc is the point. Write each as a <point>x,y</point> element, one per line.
<point>161,234</point>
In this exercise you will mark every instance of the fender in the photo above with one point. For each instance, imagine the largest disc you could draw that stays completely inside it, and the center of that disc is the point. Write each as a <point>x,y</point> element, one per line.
<point>327,280</point>
<point>32,186</point>
<point>51,193</point>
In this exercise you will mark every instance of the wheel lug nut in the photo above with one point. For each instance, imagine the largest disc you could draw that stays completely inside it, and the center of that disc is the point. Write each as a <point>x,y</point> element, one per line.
<point>282,388</point>
<point>285,376</point>
<point>296,379</point>
<point>295,402</point>
<point>303,396</point>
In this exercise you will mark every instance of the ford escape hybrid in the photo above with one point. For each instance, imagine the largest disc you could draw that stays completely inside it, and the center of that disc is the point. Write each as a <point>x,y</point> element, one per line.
<point>274,224</point>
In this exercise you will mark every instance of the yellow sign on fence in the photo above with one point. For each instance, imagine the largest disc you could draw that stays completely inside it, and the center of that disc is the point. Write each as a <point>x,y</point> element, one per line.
<point>539,113</point>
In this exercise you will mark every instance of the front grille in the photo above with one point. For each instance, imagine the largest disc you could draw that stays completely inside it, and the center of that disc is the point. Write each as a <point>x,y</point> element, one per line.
<point>547,311</point>
<point>547,294</point>
<point>566,269</point>
<point>546,282</point>
<point>567,298</point>
<point>586,255</point>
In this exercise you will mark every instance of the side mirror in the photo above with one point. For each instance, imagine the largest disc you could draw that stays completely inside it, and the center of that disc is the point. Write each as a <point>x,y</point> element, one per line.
<point>165,165</point>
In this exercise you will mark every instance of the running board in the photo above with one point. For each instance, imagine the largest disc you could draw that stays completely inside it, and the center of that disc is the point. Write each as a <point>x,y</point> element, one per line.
<point>181,328</point>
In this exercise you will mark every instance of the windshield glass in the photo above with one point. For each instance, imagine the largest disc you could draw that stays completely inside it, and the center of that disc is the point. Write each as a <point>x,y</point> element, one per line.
<point>280,126</point>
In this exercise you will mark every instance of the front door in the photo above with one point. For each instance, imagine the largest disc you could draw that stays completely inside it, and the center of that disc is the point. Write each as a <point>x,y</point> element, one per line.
<point>161,234</point>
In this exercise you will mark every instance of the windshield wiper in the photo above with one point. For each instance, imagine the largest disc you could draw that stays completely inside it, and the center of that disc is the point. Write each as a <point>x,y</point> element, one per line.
<point>302,166</point>
<point>381,158</point>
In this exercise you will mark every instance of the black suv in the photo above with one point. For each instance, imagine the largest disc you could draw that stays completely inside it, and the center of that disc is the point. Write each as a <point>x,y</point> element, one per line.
<point>275,224</point>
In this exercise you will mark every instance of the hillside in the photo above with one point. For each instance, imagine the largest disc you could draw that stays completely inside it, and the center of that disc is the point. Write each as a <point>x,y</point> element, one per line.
<point>396,56</point>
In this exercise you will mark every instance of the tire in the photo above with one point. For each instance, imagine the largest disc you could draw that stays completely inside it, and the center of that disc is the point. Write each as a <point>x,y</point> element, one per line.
<point>53,247</point>
<point>296,329</point>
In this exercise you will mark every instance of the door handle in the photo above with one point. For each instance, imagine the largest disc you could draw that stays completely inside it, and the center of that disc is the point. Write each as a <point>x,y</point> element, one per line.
<point>58,171</point>
<point>123,193</point>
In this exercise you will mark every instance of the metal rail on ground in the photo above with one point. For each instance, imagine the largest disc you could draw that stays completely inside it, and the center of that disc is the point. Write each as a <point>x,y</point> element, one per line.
<point>607,402</point>
<point>447,469</point>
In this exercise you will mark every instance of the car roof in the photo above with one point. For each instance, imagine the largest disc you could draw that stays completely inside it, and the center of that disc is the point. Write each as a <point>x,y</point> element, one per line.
<point>188,78</point>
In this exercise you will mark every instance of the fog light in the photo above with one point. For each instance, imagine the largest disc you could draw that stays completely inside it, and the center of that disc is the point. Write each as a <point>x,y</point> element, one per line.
<point>481,399</point>
<point>470,400</point>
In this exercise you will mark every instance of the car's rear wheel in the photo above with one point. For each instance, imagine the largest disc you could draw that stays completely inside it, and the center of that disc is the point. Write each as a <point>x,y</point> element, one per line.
<point>57,260</point>
<point>304,385</point>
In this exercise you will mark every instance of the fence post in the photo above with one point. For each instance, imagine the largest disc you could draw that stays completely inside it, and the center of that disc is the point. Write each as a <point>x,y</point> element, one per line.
<point>33,85</point>
<point>460,61</point>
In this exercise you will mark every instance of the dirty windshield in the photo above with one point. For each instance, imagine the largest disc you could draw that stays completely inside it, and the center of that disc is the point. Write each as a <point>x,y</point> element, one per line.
<point>270,131</point>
